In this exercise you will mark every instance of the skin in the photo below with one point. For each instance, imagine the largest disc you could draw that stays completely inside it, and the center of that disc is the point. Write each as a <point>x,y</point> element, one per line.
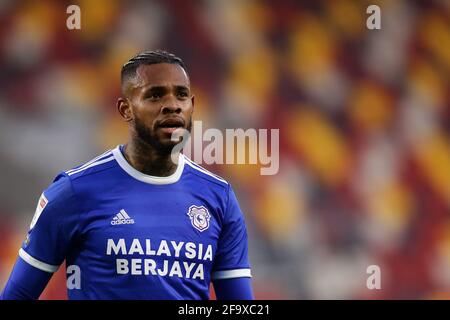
<point>157,93</point>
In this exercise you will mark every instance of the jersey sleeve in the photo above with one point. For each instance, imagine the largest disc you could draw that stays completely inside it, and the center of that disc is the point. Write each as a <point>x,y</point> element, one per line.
<point>234,289</point>
<point>25,282</point>
<point>54,227</point>
<point>231,260</point>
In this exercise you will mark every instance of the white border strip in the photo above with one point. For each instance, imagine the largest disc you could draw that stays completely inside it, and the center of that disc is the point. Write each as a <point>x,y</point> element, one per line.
<point>36,263</point>
<point>229,274</point>
<point>107,153</point>
<point>123,163</point>
<point>92,165</point>
<point>201,169</point>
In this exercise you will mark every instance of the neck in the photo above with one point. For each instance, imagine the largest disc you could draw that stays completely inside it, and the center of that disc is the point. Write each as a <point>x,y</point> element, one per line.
<point>146,159</point>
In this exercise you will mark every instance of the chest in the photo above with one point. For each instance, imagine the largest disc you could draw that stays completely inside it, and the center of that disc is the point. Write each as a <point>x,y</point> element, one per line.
<point>166,227</point>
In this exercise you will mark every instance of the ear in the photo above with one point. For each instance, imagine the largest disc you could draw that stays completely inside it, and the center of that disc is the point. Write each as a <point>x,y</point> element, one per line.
<point>124,108</point>
<point>192,102</point>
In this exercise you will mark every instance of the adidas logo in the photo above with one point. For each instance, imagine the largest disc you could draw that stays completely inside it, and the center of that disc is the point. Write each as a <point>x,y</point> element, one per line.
<point>122,218</point>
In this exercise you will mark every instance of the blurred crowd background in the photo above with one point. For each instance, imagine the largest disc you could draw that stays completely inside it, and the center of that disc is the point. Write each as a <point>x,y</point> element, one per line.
<point>363,116</point>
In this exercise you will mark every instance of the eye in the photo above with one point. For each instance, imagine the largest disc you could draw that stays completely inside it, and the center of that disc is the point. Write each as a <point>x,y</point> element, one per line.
<point>183,94</point>
<point>154,95</point>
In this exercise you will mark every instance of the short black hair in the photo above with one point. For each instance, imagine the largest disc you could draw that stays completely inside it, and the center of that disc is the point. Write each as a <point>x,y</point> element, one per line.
<point>147,58</point>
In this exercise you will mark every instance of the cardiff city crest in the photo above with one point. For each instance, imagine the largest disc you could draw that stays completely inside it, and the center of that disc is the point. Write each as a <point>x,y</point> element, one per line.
<point>199,217</point>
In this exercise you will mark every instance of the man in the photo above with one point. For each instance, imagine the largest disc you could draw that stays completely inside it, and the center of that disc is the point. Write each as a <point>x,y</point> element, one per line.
<point>131,223</point>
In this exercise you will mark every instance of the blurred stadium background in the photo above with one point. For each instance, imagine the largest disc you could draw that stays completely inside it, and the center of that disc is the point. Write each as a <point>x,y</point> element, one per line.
<point>363,115</point>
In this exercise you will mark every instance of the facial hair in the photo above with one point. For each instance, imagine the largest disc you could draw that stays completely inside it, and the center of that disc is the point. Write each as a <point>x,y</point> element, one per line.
<point>148,136</point>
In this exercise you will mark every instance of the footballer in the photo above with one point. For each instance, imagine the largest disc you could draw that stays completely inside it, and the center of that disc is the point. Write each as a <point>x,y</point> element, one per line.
<point>132,223</point>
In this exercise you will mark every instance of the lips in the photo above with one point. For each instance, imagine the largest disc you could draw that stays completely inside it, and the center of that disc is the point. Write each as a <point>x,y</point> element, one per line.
<point>171,123</point>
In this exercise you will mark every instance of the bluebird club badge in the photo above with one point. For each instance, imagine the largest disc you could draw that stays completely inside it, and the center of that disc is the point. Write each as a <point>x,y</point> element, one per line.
<point>199,217</point>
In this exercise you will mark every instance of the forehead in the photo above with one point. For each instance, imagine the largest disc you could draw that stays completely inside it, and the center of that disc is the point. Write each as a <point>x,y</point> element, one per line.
<point>161,74</point>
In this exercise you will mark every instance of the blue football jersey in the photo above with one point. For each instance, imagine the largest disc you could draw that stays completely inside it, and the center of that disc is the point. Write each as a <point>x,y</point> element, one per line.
<point>127,235</point>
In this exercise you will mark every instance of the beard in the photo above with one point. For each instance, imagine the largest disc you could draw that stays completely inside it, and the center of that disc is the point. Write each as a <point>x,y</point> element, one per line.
<point>148,136</point>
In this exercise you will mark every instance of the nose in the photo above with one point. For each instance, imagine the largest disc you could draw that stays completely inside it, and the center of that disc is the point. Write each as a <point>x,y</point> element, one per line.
<point>170,105</point>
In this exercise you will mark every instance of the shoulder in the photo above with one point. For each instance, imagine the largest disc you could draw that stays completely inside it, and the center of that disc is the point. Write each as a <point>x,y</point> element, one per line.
<point>204,174</point>
<point>91,167</point>
<point>81,179</point>
<point>71,186</point>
